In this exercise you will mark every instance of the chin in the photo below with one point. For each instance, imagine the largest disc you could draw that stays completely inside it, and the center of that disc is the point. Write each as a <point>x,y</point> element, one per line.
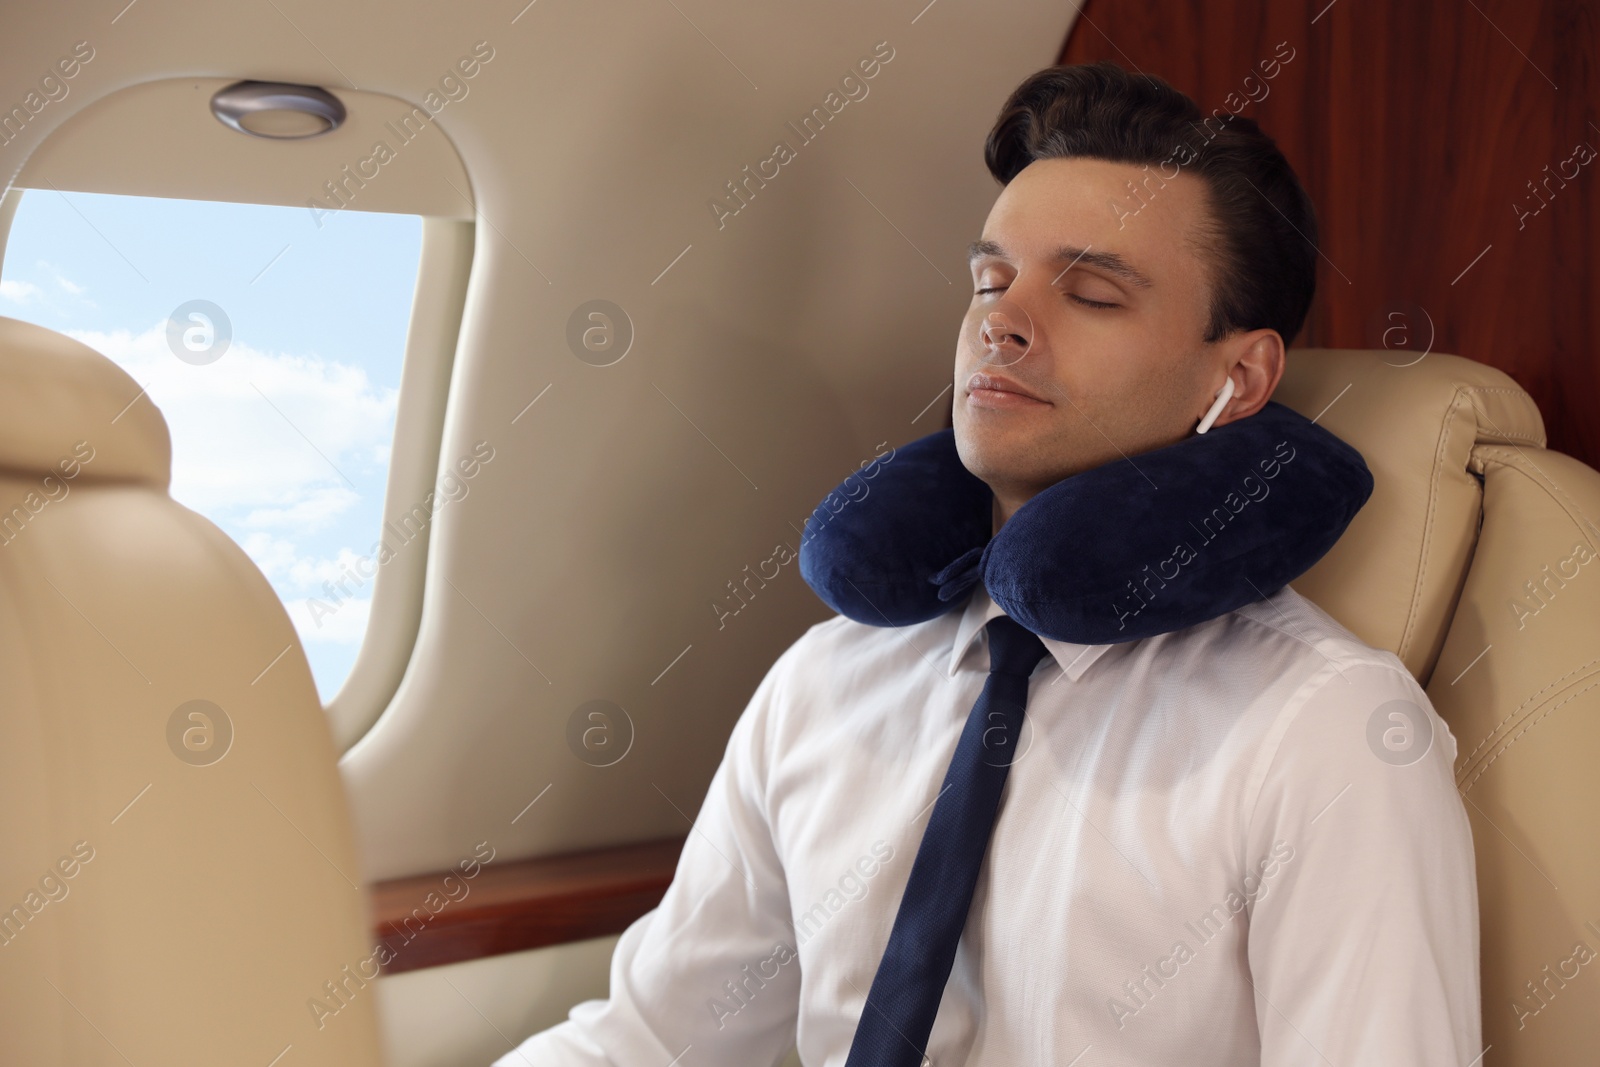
<point>995,456</point>
<point>1012,456</point>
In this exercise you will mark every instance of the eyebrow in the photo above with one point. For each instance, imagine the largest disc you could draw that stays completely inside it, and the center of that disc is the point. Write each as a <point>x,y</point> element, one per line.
<point>1109,262</point>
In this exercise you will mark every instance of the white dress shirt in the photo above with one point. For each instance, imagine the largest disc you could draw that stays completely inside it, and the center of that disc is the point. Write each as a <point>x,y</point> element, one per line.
<point>1218,847</point>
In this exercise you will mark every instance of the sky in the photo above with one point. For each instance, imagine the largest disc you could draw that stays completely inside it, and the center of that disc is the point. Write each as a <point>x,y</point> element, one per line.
<point>282,436</point>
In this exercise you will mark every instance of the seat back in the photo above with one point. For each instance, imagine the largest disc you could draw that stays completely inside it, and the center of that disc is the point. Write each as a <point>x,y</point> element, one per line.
<point>178,882</point>
<point>1477,563</point>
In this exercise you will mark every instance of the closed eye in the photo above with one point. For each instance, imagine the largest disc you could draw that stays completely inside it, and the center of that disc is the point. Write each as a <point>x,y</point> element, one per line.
<point>1082,300</point>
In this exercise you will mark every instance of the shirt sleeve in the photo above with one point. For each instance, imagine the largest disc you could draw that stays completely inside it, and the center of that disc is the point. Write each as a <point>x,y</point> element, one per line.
<point>713,967</point>
<point>1363,934</point>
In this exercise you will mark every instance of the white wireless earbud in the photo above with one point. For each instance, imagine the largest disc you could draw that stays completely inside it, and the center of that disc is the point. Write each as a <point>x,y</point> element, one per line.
<point>1223,396</point>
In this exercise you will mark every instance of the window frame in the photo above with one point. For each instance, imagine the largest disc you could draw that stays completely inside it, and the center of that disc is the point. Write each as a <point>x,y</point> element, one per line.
<point>395,618</point>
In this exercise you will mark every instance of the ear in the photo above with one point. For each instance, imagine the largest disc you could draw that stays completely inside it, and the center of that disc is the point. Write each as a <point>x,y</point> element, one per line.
<point>1254,360</point>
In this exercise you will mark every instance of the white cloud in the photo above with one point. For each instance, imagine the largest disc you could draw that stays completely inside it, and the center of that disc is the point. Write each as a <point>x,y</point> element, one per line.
<point>275,557</point>
<point>49,296</point>
<point>297,574</point>
<point>318,508</point>
<point>67,285</point>
<point>270,435</point>
<point>321,615</point>
<point>19,292</point>
<point>322,622</point>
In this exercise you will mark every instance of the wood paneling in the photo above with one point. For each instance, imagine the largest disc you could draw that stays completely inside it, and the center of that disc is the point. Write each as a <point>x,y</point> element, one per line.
<point>426,920</point>
<point>1421,131</point>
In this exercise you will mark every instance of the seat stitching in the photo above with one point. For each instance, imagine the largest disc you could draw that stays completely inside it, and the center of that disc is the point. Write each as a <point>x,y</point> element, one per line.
<point>1532,699</point>
<point>1504,456</point>
<point>1427,526</point>
<point>1462,392</point>
<point>1545,482</point>
<point>1531,723</point>
<point>1519,438</point>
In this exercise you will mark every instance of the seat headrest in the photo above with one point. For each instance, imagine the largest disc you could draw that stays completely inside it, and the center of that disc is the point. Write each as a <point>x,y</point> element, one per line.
<point>1394,577</point>
<point>68,411</point>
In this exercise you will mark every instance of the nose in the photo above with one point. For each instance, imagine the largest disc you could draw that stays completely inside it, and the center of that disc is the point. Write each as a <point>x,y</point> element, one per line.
<point>1002,335</point>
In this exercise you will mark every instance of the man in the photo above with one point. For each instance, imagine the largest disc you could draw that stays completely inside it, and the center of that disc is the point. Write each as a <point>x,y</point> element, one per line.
<point>1201,856</point>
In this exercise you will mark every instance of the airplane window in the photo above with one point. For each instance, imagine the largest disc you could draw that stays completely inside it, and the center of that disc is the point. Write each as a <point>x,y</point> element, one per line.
<point>272,341</point>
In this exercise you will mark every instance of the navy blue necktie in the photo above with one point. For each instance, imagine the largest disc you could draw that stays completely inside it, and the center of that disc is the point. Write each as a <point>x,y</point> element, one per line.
<point>905,992</point>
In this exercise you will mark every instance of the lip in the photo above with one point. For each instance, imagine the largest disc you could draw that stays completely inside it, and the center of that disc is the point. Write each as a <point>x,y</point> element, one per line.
<point>992,390</point>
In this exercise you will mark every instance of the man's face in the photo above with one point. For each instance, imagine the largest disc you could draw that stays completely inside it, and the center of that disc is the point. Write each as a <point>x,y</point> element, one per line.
<point>1112,306</point>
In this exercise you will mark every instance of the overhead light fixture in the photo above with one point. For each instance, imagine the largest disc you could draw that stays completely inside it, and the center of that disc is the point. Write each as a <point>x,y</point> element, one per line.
<point>277,110</point>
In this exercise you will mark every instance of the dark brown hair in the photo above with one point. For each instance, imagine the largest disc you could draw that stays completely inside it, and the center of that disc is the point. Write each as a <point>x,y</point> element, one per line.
<point>1260,241</point>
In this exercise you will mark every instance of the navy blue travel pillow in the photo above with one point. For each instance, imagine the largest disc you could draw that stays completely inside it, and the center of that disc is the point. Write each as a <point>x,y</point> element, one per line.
<point>1136,547</point>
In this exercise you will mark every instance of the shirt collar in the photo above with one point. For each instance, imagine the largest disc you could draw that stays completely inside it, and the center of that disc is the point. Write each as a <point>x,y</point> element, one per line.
<point>1073,658</point>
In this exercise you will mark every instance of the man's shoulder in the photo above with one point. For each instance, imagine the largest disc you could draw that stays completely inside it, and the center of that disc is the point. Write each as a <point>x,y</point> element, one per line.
<point>1341,681</point>
<point>841,659</point>
<point>833,628</point>
<point>1292,621</point>
<point>840,634</point>
<point>1262,667</point>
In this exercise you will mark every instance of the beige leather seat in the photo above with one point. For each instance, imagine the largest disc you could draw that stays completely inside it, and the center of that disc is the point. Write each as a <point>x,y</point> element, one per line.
<point>1477,562</point>
<point>158,904</point>
<point>211,901</point>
